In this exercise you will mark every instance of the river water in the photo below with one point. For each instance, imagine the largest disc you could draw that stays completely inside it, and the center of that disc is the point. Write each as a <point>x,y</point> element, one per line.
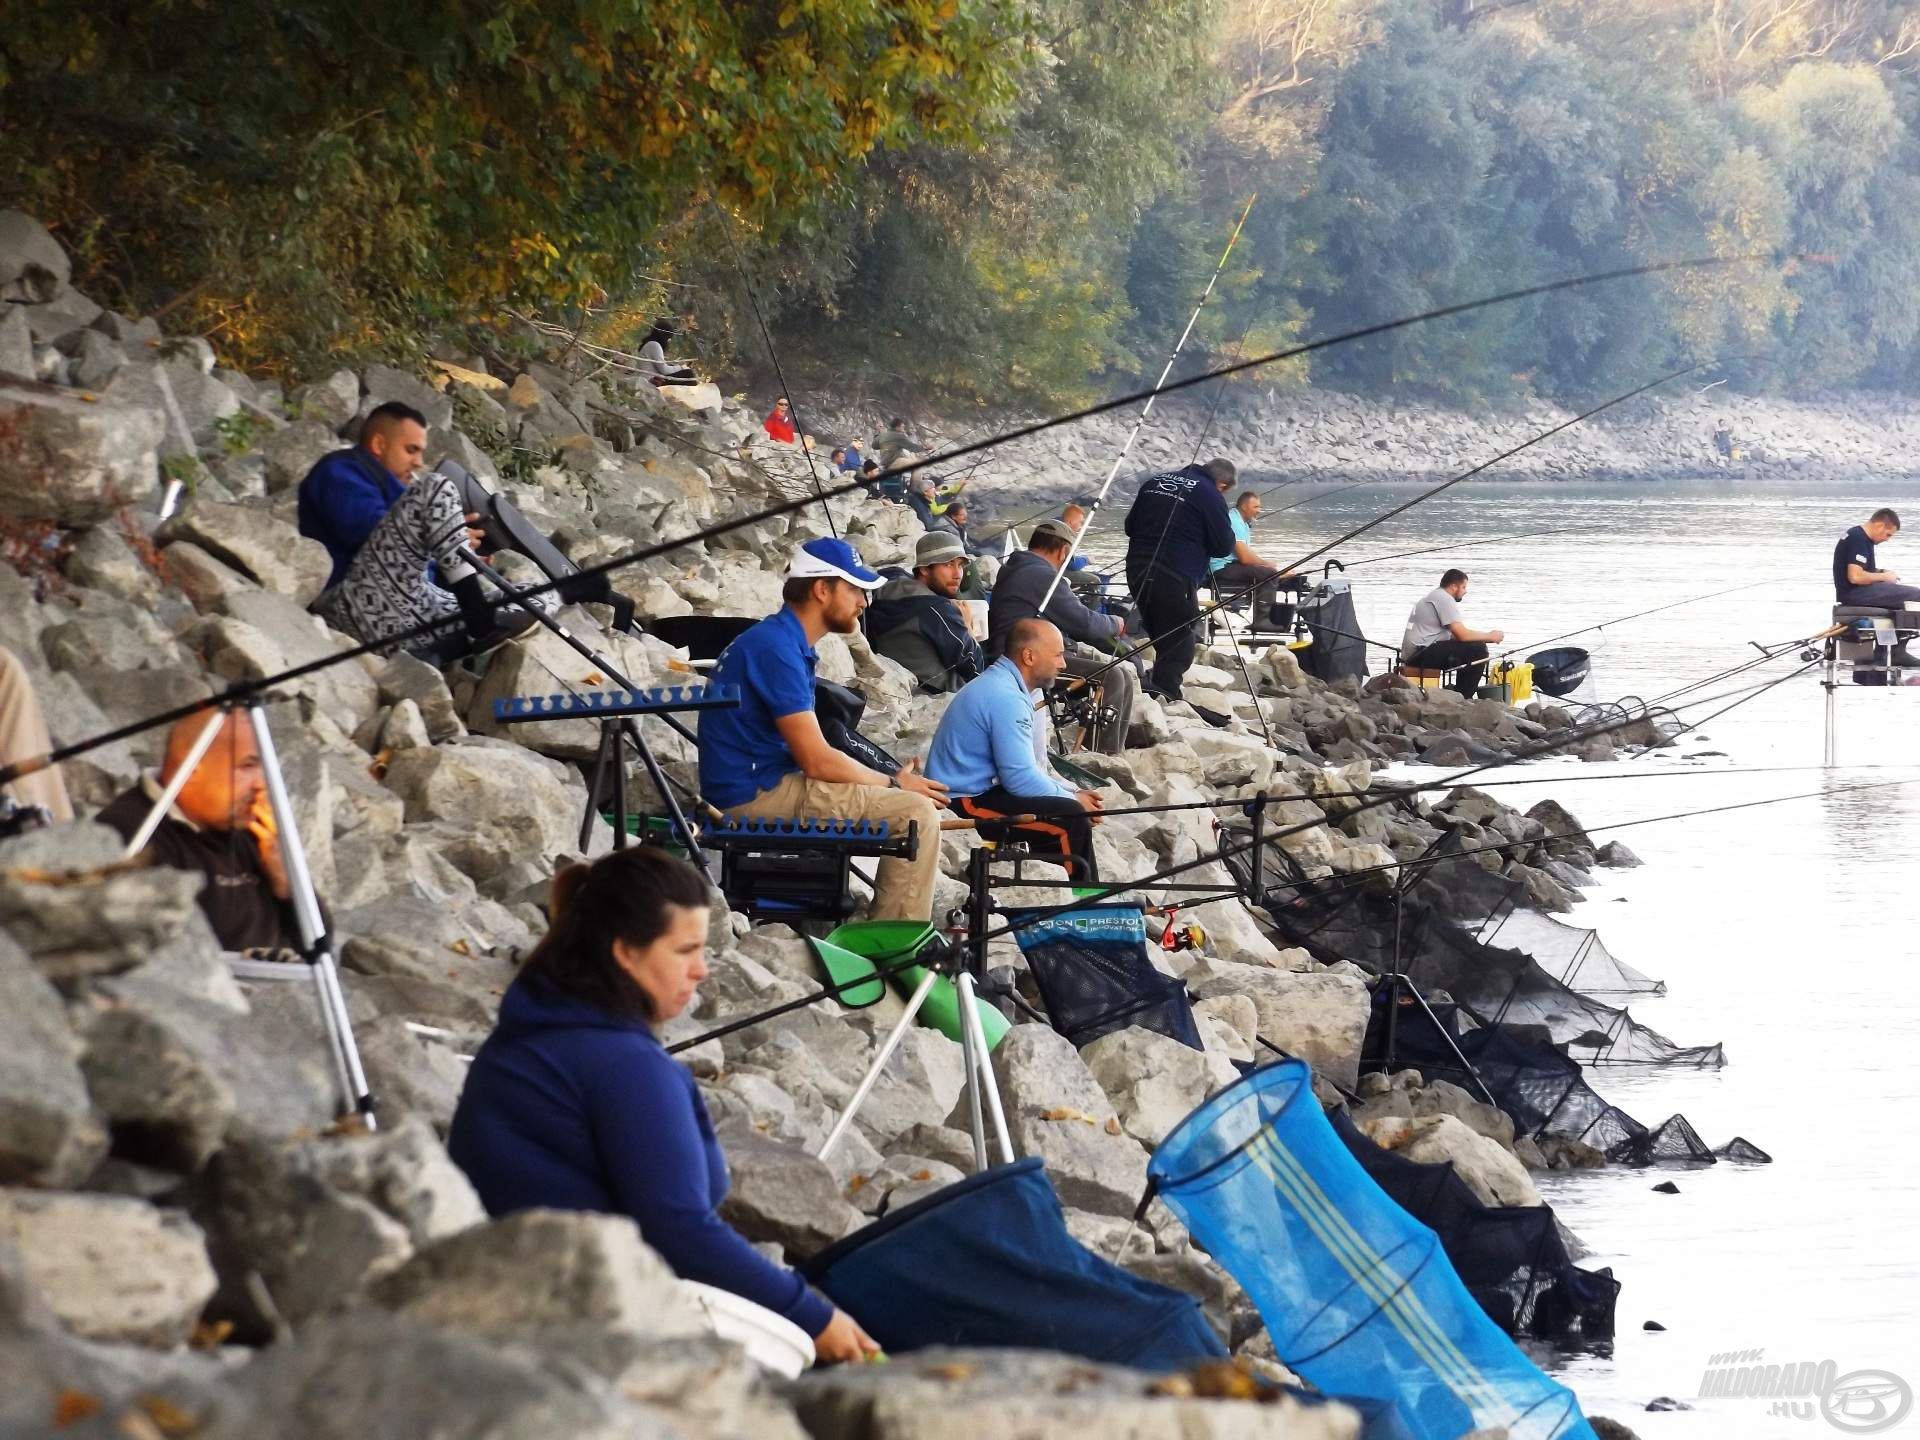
<point>1786,932</point>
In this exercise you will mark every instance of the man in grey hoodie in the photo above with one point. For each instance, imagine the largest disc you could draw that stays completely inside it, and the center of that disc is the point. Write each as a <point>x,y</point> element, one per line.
<point>1017,593</point>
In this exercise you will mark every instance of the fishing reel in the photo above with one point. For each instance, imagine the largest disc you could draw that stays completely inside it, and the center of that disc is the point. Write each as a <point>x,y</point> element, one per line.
<point>1079,705</point>
<point>17,819</point>
<point>1176,937</point>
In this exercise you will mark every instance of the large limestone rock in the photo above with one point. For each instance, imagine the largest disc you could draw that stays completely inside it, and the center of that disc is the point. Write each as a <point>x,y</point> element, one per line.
<point>1057,1110</point>
<point>291,452</point>
<point>76,921</point>
<point>494,785</point>
<point>366,1374</point>
<point>110,1268</point>
<point>783,1194</point>
<point>1490,1172</point>
<point>541,1269</point>
<point>73,459</point>
<point>49,1133</point>
<point>311,1245</point>
<point>259,544</point>
<point>1322,1018</point>
<point>1154,1082</point>
<point>964,1395</point>
<point>34,269</point>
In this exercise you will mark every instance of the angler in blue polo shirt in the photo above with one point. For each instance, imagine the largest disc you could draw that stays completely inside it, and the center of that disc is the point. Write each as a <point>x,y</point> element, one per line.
<point>984,752</point>
<point>768,758</point>
<point>1178,524</point>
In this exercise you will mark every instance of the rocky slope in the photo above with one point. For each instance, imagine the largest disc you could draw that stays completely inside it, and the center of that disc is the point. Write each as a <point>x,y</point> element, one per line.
<point>188,1246</point>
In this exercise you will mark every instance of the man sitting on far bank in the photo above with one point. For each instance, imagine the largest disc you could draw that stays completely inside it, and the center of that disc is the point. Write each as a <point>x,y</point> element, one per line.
<point>220,826</point>
<point>769,759</point>
<point>1234,575</point>
<point>1023,580</point>
<point>984,753</point>
<point>916,621</point>
<point>1439,638</point>
<point>1857,578</point>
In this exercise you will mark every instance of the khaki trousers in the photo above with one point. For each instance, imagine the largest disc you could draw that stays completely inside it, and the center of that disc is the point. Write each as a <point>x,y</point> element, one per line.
<point>23,734</point>
<point>903,889</point>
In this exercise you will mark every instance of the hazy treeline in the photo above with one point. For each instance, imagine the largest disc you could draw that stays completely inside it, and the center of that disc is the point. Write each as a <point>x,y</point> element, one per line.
<point>1015,199</point>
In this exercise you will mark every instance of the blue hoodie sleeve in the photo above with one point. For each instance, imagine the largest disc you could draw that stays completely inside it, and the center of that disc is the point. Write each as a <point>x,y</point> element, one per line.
<point>654,1151</point>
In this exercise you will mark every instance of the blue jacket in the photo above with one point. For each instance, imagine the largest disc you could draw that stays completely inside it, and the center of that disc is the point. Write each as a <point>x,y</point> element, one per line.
<point>343,497</point>
<point>986,739</point>
<point>567,1108</point>
<point>1179,522</point>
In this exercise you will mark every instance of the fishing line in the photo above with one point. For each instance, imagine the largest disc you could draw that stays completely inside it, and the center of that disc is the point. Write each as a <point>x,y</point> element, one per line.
<point>793,410</point>
<point>240,690</point>
<point>1100,496</point>
<point>1470,544</point>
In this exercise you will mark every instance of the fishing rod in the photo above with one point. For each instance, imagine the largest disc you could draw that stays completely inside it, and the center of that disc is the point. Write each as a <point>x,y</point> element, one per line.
<point>238,691</point>
<point>1104,892</point>
<point>1470,544</point>
<point>896,962</point>
<point>1411,790</point>
<point>1146,410</point>
<point>766,335</point>
<point>1656,610</point>
<point>1485,465</point>
<point>1323,495</point>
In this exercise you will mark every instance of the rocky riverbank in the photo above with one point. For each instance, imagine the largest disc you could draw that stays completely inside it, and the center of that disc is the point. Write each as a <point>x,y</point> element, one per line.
<point>190,1246</point>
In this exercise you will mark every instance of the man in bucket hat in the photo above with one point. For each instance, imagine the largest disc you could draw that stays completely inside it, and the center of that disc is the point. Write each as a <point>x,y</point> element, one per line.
<point>917,620</point>
<point>769,758</point>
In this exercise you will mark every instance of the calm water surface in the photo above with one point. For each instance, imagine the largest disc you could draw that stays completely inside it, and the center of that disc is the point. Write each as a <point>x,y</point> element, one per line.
<point>1787,932</point>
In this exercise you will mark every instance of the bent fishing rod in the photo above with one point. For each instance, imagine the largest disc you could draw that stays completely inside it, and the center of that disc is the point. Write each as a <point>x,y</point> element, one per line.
<point>240,690</point>
<point>1485,465</point>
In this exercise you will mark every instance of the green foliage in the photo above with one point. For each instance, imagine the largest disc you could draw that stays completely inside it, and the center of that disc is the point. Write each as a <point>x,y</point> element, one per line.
<point>322,178</point>
<point>240,431</point>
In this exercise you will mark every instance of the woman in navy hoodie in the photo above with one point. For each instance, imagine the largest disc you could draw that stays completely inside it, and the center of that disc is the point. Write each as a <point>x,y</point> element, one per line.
<point>574,1104</point>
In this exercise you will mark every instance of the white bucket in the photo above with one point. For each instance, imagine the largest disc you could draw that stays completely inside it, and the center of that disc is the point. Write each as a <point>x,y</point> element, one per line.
<point>771,1341</point>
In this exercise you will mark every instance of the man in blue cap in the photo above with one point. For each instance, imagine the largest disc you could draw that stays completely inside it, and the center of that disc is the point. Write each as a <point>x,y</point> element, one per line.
<point>769,758</point>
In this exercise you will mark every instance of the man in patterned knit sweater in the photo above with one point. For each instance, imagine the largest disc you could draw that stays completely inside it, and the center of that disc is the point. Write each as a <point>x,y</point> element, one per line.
<point>397,544</point>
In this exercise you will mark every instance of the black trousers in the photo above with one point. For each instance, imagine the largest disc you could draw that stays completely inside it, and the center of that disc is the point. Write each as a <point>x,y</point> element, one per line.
<point>1168,610</point>
<point>1061,828</point>
<point>1467,658</point>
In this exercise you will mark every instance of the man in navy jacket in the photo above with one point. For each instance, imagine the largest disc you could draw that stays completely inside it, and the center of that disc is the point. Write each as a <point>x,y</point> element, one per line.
<point>1178,524</point>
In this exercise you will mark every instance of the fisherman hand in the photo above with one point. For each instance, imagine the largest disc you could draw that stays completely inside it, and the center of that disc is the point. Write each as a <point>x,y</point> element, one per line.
<point>1494,637</point>
<point>843,1342</point>
<point>1091,802</point>
<point>912,781</point>
<point>476,532</point>
<point>1119,625</point>
<point>266,836</point>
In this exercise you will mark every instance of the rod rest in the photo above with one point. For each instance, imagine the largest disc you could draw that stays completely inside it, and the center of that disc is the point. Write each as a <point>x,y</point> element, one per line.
<point>850,837</point>
<point>609,704</point>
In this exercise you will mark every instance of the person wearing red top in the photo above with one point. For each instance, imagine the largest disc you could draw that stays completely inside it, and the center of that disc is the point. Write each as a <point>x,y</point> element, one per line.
<point>780,423</point>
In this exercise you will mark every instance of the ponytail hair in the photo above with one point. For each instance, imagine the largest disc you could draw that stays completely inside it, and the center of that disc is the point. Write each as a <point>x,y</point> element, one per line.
<point>629,895</point>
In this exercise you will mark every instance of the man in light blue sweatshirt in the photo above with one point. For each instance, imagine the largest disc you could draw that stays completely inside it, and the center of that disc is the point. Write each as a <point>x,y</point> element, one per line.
<point>984,753</point>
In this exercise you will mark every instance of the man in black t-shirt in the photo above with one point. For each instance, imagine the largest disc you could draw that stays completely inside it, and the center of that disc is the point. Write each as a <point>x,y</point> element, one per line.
<point>1857,580</point>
